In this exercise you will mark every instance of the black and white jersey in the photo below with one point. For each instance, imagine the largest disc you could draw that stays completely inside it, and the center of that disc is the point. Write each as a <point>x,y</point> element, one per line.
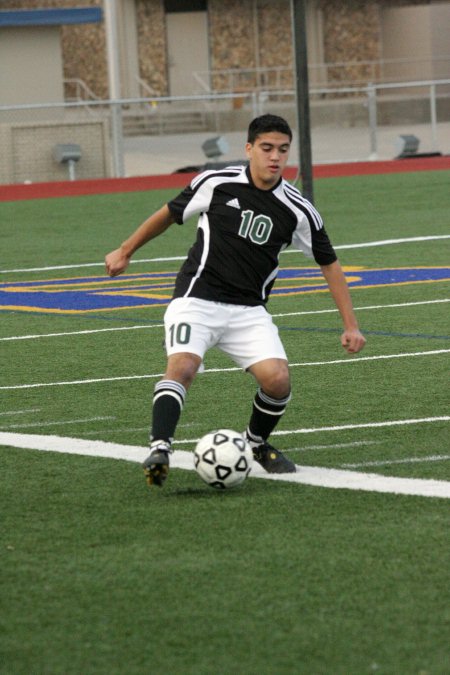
<point>241,232</point>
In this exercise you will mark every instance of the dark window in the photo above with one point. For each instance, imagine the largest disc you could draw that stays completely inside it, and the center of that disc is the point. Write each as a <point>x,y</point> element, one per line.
<point>185,5</point>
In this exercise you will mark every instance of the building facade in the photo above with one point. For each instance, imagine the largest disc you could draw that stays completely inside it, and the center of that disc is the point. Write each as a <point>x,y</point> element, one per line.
<point>181,47</point>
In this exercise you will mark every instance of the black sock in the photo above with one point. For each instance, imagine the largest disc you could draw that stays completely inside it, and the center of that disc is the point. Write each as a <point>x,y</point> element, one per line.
<point>168,401</point>
<point>266,414</point>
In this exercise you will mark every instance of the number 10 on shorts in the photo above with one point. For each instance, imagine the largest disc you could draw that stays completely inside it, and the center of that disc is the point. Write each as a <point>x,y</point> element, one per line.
<point>180,334</point>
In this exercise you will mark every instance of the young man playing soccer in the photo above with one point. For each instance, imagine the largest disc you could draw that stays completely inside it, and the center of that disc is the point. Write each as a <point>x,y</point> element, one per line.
<point>248,215</point>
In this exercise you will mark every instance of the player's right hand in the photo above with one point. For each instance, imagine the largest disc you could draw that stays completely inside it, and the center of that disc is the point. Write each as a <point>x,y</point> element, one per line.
<point>116,262</point>
<point>353,341</point>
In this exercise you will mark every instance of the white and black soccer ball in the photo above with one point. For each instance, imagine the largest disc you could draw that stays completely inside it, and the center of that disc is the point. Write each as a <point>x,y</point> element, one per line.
<point>223,459</point>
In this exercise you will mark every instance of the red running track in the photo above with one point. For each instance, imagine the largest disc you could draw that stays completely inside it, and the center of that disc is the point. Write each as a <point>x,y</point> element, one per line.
<point>18,191</point>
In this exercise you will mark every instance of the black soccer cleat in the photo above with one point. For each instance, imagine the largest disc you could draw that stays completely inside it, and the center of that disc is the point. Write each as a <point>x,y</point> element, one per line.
<point>156,466</point>
<point>271,459</point>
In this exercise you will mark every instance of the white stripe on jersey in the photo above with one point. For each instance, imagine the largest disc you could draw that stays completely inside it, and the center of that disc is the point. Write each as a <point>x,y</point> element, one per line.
<point>302,235</point>
<point>202,197</point>
<point>213,172</point>
<point>296,198</point>
<point>203,224</point>
<point>270,278</point>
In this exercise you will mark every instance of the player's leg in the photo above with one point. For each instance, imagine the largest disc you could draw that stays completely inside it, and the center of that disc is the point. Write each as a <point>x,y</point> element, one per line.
<point>169,394</point>
<point>168,401</point>
<point>253,342</point>
<point>187,338</point>
<point>269,405</point>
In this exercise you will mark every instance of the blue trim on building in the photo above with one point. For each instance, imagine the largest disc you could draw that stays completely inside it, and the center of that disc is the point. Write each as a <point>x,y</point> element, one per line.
<point>50,17</point>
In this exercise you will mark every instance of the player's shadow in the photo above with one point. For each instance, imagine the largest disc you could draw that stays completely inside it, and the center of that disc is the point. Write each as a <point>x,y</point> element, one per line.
<point>202,493</point>
<point>198,493</point>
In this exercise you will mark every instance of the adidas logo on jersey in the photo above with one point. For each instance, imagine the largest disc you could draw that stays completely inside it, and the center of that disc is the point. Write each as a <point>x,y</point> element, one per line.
<point>234,203</point>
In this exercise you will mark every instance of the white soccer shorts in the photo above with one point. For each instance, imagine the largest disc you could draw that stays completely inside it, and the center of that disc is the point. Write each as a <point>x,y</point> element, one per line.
<point>247,334</point>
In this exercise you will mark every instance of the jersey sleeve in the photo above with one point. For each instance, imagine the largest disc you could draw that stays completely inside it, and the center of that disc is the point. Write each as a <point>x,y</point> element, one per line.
<point>196,197</point>
<point>322,249</point>
<point>310,235</point>
<point>178,205</point>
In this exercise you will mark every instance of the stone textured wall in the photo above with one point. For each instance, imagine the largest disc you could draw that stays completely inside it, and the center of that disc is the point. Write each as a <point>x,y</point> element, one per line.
<point>351,32</point>
<point>232,37</point>
<point>152,44</point>
<point>243,38</point>
<point>275,41</point>
<point>84,53</point>
<point>275,28</point>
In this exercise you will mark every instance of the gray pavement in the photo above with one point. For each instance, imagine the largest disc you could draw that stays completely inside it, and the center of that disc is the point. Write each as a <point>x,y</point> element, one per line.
<point>153,155</point>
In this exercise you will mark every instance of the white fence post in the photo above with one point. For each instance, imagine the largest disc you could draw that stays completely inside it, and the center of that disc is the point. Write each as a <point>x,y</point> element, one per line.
<point>372,105</point>
<point>433,116</point>
<point>112,48</point>
<point>118,163</point>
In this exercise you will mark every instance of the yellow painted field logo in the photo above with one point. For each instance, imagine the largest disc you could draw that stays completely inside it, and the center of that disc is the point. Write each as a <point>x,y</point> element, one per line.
<point>153,289</point>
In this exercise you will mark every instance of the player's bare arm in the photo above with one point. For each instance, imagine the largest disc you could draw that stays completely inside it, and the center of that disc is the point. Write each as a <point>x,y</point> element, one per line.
<point>351,339</point>
<point>118,260</point>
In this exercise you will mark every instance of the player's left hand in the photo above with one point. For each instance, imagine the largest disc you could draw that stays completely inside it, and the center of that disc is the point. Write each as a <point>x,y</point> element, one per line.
<point>353,341</point>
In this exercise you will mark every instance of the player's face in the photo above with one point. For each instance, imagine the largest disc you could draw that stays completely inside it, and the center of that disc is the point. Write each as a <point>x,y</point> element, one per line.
<point>268,156</point>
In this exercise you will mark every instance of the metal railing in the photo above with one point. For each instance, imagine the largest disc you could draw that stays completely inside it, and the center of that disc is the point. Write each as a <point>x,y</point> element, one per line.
<point>328,74</point>
<point>167,115</point>
<point>77,90</point>
<point>144,88</point>
<point>372,96</point>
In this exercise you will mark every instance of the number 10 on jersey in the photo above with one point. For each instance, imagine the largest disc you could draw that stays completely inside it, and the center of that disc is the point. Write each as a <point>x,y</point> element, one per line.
<point>255,228</point>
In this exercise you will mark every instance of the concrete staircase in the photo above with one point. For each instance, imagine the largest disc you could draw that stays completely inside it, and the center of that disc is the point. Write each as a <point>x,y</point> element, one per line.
<point>162,121</point>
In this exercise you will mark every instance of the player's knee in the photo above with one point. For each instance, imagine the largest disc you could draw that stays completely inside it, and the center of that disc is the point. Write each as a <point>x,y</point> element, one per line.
<point>277,384</point>
<point>183,368</point>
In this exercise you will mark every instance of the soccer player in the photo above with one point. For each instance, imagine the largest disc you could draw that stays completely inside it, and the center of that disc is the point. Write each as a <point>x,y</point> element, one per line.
<point>248,215</point>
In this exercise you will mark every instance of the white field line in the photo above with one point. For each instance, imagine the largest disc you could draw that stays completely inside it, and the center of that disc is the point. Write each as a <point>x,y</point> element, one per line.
<point>129,430</point>
<point>21,412</point>
<point>94,264</point>
<point>61,423</point>
<point>306,475</point>
<point>367,425</point>
<point>117,430</point>
<point>161,325</point>
<point>335,446</point>
<point>390,242</point>
<point>360,309</point>
<point>368,244</point>
<point>348,360</point>
<point>358,359</point>
<point>406,460</point>
<point>80,332</point>
<point>97,380</point>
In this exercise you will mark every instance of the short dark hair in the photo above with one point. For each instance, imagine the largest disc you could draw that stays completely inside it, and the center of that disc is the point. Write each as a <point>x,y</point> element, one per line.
<point>264,124</point>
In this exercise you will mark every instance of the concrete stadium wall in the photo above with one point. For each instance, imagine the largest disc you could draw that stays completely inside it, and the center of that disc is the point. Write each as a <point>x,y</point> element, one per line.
<point>27,150</point>
<point>32,57</point>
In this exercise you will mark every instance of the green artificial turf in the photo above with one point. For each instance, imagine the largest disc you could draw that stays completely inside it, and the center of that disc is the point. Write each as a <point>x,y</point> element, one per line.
<point>100,575</point>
